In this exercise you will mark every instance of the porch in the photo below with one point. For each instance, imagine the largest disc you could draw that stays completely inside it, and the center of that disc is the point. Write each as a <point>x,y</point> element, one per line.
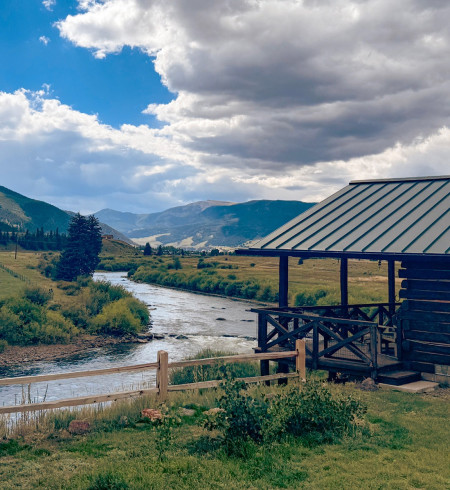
<point>359,340</point>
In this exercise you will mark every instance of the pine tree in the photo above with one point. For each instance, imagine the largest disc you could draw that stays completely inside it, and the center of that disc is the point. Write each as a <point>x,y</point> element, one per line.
<point>147,249</point>
<point>80,255</point>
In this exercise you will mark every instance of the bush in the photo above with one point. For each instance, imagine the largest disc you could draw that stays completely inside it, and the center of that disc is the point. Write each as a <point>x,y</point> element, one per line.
<point>3,345</point>
<point>116,319</point>
<point>38,295</point>
<point>311,412</point>
<point>309,298</point>
<point>243,416</point>
<point>308,411</point>
<point>23,323</point>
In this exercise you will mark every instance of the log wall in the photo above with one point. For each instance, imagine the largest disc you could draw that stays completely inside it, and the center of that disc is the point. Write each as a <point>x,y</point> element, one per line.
<point>425,314</point>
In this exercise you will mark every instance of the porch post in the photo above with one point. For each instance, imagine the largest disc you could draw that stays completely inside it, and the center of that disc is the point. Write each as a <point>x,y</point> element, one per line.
<point>344,282</point>
<point>283,281</point>
<point>391,286</point>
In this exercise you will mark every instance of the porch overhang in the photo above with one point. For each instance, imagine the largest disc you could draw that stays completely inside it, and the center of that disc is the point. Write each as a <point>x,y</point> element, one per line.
<point>259,252</point>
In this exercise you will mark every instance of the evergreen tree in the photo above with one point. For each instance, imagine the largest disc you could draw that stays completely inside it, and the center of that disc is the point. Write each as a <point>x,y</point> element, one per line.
<point>160,250</point>
<point>84,243</point>
<point>147,249</point>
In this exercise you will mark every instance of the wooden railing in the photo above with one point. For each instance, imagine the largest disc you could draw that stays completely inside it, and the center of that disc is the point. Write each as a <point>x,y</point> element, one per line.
<point>327,339</point>
<point>382,313</point>
<point>162,388</point>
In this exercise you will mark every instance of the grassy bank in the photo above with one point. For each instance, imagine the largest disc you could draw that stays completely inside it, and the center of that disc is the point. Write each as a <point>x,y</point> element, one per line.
<point>403,445</point>
<point>312,282</point>
<point>37,310</point>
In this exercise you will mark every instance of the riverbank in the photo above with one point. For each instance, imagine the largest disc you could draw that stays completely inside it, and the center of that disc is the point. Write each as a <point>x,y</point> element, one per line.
<point>15,355</point>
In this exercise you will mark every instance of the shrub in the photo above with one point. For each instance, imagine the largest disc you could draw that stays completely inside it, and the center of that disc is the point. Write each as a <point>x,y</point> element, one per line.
<point>309,298</point>
<point>38,295</point>
<point>138,309</point>
<point>310,411</point>
<point>23,323</point>
<point>3,345</point>
<point>116,319</point>
<point>241,419</point>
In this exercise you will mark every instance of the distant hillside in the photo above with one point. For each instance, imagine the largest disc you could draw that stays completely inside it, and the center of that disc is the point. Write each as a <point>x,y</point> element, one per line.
<point>135,224</point>
<point>205,224</point>
<point>19,211</point>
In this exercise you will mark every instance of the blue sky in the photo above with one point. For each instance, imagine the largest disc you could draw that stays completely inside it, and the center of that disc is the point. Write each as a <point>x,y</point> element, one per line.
<point>141,105</point>
<point>34,54</point>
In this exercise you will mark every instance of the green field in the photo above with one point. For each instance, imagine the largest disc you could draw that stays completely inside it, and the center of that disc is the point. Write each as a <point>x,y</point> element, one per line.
<point>315,281</point>
<point>404,446</point>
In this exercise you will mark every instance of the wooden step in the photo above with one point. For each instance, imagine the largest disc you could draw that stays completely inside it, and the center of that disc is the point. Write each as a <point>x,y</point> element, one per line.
<point>398,378</point>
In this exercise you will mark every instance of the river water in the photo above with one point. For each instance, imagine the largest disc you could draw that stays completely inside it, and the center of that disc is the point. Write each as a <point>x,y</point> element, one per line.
<point>206,321</point>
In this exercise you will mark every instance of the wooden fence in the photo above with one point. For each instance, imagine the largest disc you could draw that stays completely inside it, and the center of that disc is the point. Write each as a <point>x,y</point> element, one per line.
<point>162,388</point>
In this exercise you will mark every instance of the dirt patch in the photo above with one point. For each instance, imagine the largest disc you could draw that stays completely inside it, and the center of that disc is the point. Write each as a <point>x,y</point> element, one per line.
<point>442,392</point>
<point>15,355</point>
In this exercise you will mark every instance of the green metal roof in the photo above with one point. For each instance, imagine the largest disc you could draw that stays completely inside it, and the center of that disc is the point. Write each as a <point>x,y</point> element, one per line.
<point>408,216</point>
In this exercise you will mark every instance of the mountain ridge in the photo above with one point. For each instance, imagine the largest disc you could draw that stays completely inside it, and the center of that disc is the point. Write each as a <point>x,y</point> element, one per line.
<point>205,224</point>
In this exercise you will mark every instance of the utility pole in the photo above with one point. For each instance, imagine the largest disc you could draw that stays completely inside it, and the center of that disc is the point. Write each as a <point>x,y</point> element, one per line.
<point>17,241</point>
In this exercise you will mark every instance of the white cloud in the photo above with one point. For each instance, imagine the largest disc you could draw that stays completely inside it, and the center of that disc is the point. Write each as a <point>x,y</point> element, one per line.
<point>285,81</point>
<point>44,40</point>
<point>273,99</point>
<point>50,151</point>
<point>49,4</point>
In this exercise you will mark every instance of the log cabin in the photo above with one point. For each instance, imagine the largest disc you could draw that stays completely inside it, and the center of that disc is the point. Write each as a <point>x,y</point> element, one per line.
<point>404,221</point>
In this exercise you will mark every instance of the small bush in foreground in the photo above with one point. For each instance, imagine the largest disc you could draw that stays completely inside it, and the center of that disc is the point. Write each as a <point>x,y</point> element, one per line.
<point>307,411</point>
<point>313,413</point>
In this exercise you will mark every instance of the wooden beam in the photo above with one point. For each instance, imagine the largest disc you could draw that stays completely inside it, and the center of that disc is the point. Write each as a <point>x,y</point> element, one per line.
<point>300,360</point>
<point>344,281</point>
<point>391,286</point>
<point>283,281</point>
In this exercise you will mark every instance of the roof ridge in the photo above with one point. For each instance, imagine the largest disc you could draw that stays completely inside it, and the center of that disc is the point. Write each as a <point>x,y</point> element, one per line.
<point>401,179</point>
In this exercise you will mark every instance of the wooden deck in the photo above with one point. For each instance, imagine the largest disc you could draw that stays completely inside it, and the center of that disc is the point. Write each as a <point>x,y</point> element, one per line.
<point>349,341</point>
<point>343,365</point>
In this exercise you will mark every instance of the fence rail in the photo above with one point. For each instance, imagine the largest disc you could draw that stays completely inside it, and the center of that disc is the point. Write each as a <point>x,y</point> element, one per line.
<point>162,388</point>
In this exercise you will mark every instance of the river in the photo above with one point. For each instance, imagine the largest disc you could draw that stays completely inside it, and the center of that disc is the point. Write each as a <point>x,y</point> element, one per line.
<point>202,321</point>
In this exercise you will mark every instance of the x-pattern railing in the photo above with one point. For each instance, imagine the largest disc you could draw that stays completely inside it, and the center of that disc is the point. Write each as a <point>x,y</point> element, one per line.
<point>329,337</point>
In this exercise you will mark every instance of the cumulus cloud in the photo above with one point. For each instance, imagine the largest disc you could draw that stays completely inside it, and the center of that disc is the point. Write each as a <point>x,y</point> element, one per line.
<point>272,99</point>
<point>44,40</point>
<point>287,83</point>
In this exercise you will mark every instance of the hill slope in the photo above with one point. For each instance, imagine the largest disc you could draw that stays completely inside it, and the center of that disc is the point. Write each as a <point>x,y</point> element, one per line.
<point>19,211</point>
<point>205,224</point>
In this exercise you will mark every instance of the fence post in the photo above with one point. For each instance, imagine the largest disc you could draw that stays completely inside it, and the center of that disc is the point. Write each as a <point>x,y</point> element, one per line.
<point>374,350</point>
<point>162,375</point>
<point>300,359</point>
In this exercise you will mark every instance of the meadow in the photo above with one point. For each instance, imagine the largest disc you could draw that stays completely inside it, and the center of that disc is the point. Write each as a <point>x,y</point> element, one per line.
<point>311,282</point>
<point>402,444</point>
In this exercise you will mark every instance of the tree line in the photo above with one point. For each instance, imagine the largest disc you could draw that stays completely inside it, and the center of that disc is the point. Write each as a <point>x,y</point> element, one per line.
<point>38,240</point>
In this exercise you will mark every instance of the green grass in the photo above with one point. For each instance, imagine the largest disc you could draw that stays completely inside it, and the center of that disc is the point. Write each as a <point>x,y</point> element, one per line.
<point>405,445</point>
<point>316,281</point>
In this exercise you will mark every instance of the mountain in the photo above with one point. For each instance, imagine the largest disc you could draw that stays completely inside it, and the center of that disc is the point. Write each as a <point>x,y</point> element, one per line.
<point>19,211</point>
<point>139,224</point>
<point>205,224</point>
